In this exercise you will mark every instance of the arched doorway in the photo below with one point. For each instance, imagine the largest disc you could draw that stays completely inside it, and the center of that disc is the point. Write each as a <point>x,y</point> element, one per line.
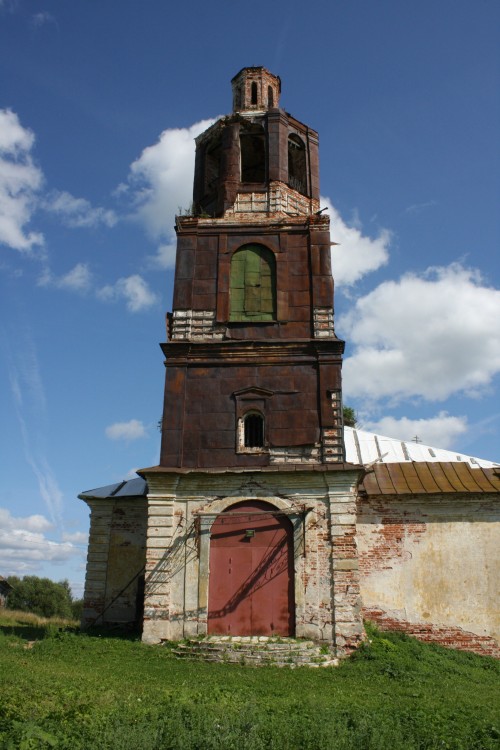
<point>251,587</point>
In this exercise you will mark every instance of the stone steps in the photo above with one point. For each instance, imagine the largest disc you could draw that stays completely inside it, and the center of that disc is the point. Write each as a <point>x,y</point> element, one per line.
<point>257,651</point>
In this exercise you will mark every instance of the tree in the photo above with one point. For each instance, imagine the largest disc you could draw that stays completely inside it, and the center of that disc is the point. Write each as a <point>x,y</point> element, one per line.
<point>41,596</point>
<point>350,419</point>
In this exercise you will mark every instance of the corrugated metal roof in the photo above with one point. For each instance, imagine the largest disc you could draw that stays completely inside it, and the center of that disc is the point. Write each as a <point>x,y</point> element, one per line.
<point>365,447</point>
<point>429,478</point>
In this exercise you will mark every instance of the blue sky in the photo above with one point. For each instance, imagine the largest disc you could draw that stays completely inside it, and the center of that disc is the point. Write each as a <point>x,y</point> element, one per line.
<point>99,105</point>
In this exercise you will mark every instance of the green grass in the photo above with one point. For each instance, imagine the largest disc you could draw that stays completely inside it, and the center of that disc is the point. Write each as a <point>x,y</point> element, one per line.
<point>82,692</point>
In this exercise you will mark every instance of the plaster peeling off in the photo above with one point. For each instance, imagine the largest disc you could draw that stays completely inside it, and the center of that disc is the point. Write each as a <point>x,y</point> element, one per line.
<point>385,546</point>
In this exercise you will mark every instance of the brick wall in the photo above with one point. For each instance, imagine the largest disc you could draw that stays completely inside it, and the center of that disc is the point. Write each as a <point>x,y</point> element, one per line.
<point>429,566</point>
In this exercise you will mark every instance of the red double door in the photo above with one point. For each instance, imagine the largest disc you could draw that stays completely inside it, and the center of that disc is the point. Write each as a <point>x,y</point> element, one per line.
<point>251,588</point>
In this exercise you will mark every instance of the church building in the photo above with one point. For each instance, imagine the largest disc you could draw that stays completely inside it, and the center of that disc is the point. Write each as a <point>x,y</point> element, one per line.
<point>254,523</point>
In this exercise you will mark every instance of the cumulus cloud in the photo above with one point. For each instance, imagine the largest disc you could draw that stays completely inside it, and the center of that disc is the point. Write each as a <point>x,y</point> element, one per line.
<point>441,430</point>
<point>133,289</point>
<point>35,523</point>
<point>77,212</point>
<point>430,335</point>
<point>131,430</point>
<point>24,544</point>
<point>79,279</point>
<point>160,185</point>
<point>162,178</point>
<point>20,181</point>
<point>356,254</point>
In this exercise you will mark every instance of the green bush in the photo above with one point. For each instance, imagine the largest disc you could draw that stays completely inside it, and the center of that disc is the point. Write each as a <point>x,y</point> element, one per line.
<point>41,596</point>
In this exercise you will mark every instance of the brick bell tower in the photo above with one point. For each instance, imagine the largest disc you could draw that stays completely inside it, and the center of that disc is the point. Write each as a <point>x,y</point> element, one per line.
<point>251,525</point>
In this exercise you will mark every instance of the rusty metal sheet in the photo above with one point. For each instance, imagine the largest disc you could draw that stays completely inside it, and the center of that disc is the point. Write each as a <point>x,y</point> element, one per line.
<point>412,479</point>
<point>430,479</point>
<point>397,476</point>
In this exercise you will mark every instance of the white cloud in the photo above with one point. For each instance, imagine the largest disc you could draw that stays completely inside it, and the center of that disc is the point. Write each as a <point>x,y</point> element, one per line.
<point>165,256</point>
<point>441,430</point>
<point>417,208</point>
<point>160,185</point>
<point>356,254</point>
<point>78,212</point>
<point>35,523</point>
<point>31,409</point>
<point>24,545</point>
<point>162,178</point>
<point>78,537</point>
<point>133,289</point>
<point>429,335</point>
<point>131,430</point>
<point>20,180</point>
<point>79,279</point>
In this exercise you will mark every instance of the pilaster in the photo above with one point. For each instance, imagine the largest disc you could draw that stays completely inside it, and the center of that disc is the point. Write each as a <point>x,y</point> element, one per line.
<point>348,624</point>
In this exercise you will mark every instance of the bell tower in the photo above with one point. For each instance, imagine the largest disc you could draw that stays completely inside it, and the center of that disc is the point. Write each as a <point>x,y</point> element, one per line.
<point>252,406</point>
<point>252,322</point>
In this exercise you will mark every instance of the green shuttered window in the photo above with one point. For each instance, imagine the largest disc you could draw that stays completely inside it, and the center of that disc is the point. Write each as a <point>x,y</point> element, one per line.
<point>252,284</point>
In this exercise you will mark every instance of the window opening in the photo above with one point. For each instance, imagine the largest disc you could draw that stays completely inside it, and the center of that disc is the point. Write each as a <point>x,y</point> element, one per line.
<point>297,178</point>
<point>254,92</point>
<point>254,431</point>
<point>212,167</point>
<point>252,285</point>
<point>253,156</point>
<point>270,97</point>
<point>237,99</point>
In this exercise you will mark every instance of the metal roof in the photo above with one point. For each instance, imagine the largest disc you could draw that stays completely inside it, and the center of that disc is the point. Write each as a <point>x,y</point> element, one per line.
<point>429,478</point>
<point>136,487</point>
<point>399,468</point>
<point>366,447</point>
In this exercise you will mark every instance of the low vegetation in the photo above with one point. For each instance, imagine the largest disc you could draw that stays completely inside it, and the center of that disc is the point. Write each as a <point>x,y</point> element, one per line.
<point>43,597</point>
<point>63,689</point>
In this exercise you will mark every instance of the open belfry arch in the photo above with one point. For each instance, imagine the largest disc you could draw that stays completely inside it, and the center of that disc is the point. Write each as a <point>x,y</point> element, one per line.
<point>248,524</point>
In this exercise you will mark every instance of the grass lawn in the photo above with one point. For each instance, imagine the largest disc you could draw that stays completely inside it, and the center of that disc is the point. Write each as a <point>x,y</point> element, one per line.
<point>74,691</point>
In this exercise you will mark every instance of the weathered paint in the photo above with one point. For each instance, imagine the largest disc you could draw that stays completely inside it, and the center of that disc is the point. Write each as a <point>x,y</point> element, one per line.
<point>251,572</point>
<point>430,565</point>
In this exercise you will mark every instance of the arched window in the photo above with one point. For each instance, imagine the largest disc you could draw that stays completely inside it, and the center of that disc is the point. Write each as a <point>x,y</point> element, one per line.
<point>253,430</point>
<point>270,97</point>
<point>297,177</point>
<point>252,285</point>
<point>254,92</point>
